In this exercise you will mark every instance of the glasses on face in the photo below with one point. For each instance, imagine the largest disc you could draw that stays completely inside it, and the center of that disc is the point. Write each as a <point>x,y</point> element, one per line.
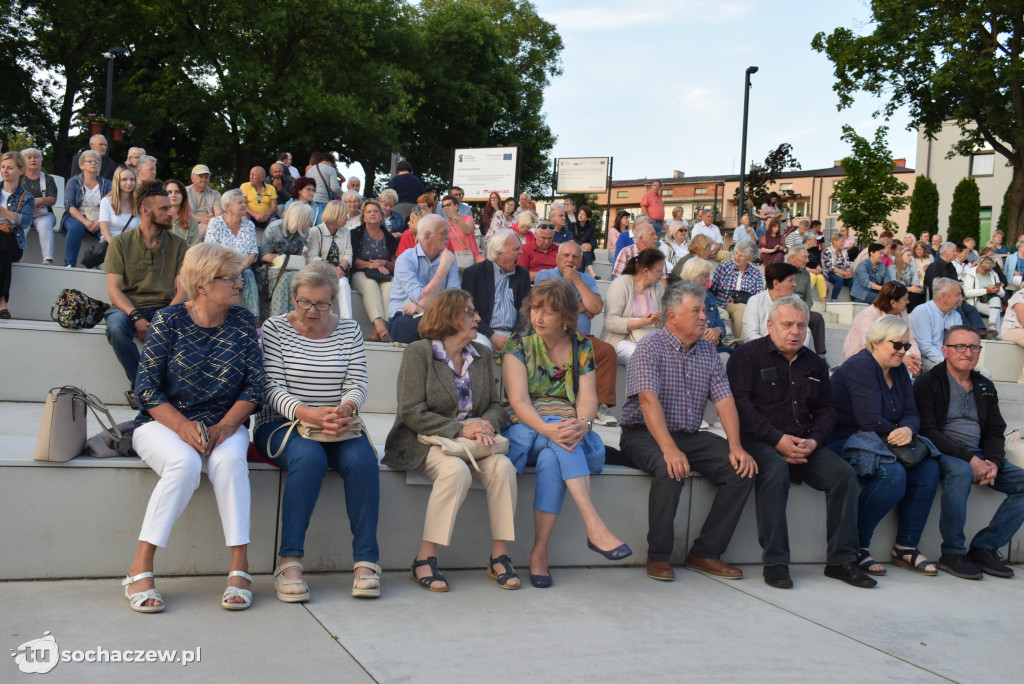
<point>89,161</point>
<point>900,346</point>
<point>306,305</point>
<point>961,348</point>
<point>231,278</point>
<point>445,205</point>
<point>470,311</point>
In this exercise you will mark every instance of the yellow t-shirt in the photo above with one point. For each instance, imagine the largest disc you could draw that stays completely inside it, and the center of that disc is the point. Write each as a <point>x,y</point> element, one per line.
<point>259,201</point>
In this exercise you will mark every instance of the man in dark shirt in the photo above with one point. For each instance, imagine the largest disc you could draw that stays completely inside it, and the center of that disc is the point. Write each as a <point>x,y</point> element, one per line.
<point>959,411</point>
<point>408,187</point>
<point>786,416</point>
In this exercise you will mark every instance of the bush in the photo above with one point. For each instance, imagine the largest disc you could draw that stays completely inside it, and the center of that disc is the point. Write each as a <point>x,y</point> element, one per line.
<point>965,213</point>
<point>1004,212</point>
<point>924,208</point>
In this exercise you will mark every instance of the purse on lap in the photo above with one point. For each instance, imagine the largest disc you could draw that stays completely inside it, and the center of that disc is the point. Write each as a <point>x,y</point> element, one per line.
<point>63,430</point>
<point>469,450</point>
<point>315,433</point>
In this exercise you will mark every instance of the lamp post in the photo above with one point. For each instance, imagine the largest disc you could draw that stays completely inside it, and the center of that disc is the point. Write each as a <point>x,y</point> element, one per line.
<point>110,54</point>
<point>743,145</point>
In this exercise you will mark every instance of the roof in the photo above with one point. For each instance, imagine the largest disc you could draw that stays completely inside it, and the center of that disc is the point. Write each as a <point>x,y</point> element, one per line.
<point>735,177</point>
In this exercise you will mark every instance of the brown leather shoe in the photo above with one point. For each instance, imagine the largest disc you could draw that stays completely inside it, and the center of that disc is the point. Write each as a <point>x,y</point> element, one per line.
<point>713,566</point>
<point>660,570</point>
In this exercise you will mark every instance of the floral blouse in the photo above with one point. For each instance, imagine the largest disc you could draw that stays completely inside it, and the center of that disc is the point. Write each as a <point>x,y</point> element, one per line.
<point>244,243</point>
<point>545,380</point>
<point>463,385</point>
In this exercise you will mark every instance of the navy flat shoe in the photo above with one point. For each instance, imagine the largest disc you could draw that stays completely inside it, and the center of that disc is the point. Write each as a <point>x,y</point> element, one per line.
<point>540,581</point>
<point>617,553</point>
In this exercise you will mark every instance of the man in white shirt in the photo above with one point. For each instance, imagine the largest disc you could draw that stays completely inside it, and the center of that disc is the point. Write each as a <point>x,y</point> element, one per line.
<point>285,158</point>
<point>705,227</point>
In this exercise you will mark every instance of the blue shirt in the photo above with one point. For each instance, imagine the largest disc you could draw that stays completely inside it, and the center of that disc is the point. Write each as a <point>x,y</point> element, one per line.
<point>413,271</point>
<point>864,276</point>
<point>928,324</point>
<point>624,241</point>
<point>503,315</point>
<point>584,320</point>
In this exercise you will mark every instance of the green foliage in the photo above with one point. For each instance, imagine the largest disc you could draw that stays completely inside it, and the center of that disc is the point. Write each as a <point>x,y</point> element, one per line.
<point>759,179</point>
<point>924,207</point>
<point>965,212</point>
<point>959,59</point>
<point>869,193</point>
<point>1004,213</point>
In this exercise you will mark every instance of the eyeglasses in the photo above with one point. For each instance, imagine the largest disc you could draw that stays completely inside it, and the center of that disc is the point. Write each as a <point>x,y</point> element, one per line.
<point>445,205</point>
<point>470,311</point>
<point>306,305</point>
<point>231,278</point>
<point>961,348</point>
<point>899,346</point>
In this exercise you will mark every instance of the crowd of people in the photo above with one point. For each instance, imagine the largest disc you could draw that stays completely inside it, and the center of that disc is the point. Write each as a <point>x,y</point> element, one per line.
<point>180,268</point>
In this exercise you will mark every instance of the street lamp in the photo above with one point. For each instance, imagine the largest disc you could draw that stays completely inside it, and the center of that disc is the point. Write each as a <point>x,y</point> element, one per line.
<point>110,54</point>
<point>743,145</point>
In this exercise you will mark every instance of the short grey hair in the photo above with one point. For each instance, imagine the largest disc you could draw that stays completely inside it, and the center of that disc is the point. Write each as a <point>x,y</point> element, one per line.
<point>791,301</point>
<point>748,247</point>
<point>229,196</point>
<point>640,220</point>
<point>431,223</point>
<point>673,297</point>
<point>696,268</point>
<point>793,251</point>
<point>499,242</point>
<point>316,274</point>
<point>89,154</point>
<point>983,261</point>
<point>389,196</point>
<point>135,150</point>
<point>810,236</point>
<point>351,194</point>
<point>673,228</point>
<point>941,285</point>
<point>145,159</point>
<point>573,245</point>
<point>887,327</point>
<point>297,216</point>
<point>31,152</point>
<point>947,245</point>
<point>97,135</point>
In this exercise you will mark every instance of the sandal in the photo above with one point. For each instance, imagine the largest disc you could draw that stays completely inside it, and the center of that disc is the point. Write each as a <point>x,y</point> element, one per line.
<point>236,592</point>
<point>865,561</point>
<point>435,576</point>
<point>281,581</point>
<point>386,338</point>
<point>373,337</point>
<point>137,599</point>
<point>913,560</point>
<point>360,582</point>
<point>503,579</point>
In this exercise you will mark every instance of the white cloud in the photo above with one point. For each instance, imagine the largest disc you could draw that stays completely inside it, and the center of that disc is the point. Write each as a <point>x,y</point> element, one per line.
<point>610,16</point>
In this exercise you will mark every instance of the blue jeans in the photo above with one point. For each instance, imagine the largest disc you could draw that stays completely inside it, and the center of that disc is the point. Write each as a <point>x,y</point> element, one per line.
<point>971,316</point>
<point>554,464</point>
<point>73,241</point>
<point>121,335</point>
<point>404,328</point>
<point>250,295</point>
<point>306,462</point>
<point>658,225</point>
<point>837,284</point>
<point>957,478</point>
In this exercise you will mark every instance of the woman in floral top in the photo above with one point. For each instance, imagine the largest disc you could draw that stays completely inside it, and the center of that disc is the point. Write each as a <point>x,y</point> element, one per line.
<point>550,383</point>
<point>234,229</point>
<point>836,265</point>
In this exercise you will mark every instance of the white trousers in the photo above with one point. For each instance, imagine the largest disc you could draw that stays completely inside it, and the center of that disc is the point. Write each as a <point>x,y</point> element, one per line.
<point>179,467</point>
<point>344,303</point>
<point>624,350</point>
<point>44,228</point>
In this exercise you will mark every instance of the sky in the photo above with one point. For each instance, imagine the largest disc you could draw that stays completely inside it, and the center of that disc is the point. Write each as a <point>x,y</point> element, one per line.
<point>658,84</point>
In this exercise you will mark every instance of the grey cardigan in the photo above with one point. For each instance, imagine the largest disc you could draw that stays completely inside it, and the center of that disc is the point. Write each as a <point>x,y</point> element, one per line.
<point>428,402</point>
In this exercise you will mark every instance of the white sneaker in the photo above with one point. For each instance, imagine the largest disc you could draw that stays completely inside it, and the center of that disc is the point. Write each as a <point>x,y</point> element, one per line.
<point>604,417</point>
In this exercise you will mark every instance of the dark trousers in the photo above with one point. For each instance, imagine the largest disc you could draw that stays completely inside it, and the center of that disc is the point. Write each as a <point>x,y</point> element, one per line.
<point>824,471</point>
<point>708,455</point>
<point>971,316</point>
<point>10,254</point>
<point>404,328</point>
<point>817,326</point>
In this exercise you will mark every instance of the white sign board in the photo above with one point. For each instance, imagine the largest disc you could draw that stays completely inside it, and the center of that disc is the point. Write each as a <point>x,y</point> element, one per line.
<point>582,174</point>
<point>479,171</point>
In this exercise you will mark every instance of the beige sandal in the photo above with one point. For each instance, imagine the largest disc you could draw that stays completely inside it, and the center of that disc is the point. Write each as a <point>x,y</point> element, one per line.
<point>138,599</point>
<point>281,581</point>
<point>360,582</point>
<point>235,592</point>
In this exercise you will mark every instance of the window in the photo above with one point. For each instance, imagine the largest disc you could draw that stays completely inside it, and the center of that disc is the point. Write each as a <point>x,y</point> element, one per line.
<point>985,217</point>
<point>700,191</point>
<point>667,192</point>
<point>799,208</point>
<point>622,194</point>
<point>983,164</point>
<point>783,187</point>
<point>834,207</point>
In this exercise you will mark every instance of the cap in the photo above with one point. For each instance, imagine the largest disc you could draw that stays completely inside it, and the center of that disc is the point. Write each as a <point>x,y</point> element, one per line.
<point>200,169</point>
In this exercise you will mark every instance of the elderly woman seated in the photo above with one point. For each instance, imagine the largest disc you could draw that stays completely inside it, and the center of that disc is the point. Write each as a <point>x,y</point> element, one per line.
<point>674,244</point>
<point>283,250</point>
<point>877,435</point>
<point>550,381</point>
<point>983,290</point>
<point>199,379</point>
<point>632,309</point>
<point>331,241</point>
<point>303,191</point>
<point>236,230</point>
<point>312,342</point>
<point>82,196</point>
<point>892,300</point>
<point>699,271</point>
<point>447,389</point>
<point>700,247</point>
<point>735,282</point>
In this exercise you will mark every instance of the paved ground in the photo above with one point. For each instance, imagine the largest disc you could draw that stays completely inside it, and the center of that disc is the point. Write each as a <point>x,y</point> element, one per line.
<point>594,625</point>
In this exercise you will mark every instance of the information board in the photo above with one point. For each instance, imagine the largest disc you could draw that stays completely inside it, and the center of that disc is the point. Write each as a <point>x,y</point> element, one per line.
<point>479,171</point>
<point>582,174</point>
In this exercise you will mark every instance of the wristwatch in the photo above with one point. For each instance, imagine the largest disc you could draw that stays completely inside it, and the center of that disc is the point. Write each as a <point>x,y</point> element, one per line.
<point>135,316</point>
<point>590,423</point>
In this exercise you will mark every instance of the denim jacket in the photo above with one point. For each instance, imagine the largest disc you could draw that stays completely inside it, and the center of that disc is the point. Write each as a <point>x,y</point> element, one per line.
<point>74,192</point>
<point>23,204</point>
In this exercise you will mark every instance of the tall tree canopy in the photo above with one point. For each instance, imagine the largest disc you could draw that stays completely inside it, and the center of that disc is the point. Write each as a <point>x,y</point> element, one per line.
<point>943,59</point>
<point>869,193</point>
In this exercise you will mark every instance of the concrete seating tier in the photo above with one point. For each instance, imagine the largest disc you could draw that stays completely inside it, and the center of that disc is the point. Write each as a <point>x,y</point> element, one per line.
<point>87,523</point>
<point>1003,360</point>
<point>843,313</point>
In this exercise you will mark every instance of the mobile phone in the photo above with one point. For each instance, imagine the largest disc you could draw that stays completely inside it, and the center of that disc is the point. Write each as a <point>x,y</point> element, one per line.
<point>204,437</point>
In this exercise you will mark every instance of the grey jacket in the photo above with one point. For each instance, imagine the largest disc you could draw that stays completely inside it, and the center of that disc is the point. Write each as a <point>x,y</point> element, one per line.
<point>428,402</point>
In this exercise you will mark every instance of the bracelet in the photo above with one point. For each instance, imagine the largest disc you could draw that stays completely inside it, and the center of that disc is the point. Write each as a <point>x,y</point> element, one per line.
<point>135,316</point>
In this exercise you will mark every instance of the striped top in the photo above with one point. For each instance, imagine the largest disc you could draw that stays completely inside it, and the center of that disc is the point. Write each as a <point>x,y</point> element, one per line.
<point>312,372</point>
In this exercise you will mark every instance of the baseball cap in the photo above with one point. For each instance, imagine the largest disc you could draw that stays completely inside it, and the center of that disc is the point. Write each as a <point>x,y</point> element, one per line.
<point>200,169</point>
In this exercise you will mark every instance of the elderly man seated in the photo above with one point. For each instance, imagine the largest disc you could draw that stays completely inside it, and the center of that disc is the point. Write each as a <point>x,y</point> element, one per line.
<point>420,273</point>
<point>959,411</point>
<point>798,257</point>
<point>283,183</point>
<point>930,320</point>
<point>146,168</point>
<point>541,252</point>
<point>498,286</point>
<point>645,238</point>
<point>203,201</point>
<point>780,278</point>
<point>260,198</point>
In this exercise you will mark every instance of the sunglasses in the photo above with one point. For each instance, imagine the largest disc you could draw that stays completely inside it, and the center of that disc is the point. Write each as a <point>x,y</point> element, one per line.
<point>900,346</point>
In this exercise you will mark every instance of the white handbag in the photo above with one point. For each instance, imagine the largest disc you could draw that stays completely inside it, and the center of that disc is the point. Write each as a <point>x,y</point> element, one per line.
<point>63,430</point>
<point>468,450</point>
<point>1015,447</point>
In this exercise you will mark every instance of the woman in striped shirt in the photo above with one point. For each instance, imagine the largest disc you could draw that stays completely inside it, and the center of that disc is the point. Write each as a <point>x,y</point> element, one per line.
<point>316,372</point>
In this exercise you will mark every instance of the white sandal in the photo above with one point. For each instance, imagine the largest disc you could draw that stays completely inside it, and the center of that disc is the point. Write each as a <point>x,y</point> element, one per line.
<point>372,591</point>
<point>280,580</point>
<point>235,592</point>
<point>137,600</point>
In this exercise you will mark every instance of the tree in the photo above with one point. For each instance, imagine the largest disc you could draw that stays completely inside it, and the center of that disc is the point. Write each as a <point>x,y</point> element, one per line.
<point>869,193</point>
<point>965,212</point>
<point>959,59</point>
<point>924,207</point>
<point>759,179</point>
<point>1004,212</point>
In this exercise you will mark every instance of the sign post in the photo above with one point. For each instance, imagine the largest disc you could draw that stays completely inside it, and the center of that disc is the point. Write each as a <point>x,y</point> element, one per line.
<point>479,171</point>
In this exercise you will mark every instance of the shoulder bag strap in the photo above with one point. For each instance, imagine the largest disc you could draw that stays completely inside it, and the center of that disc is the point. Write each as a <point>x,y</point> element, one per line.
<point>97,407</point>
<point>291,427</point>
<point>575,366</point>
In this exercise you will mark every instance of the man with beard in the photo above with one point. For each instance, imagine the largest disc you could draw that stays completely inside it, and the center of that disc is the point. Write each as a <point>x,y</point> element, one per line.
<point>142,268</point>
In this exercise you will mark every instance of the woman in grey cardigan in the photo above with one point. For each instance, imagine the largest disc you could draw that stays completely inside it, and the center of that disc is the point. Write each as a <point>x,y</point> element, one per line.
<point>446,388</point>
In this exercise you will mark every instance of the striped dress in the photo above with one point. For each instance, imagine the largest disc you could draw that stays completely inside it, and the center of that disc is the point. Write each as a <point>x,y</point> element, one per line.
<point>299,370</point>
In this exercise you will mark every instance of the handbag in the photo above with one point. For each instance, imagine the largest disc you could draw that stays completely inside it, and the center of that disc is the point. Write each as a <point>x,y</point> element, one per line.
<point>76,310</point>
<point>377,276</point>
<point>463,257</point>
<point>1014,447</point>
<point>469,450</point>
<point>288,262</point>
<point>911,454</point>
<point>62,432</point>
<point>641,333</point>
<point>96,254</point>
<point>315,433</point>
<point>739,296</point>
